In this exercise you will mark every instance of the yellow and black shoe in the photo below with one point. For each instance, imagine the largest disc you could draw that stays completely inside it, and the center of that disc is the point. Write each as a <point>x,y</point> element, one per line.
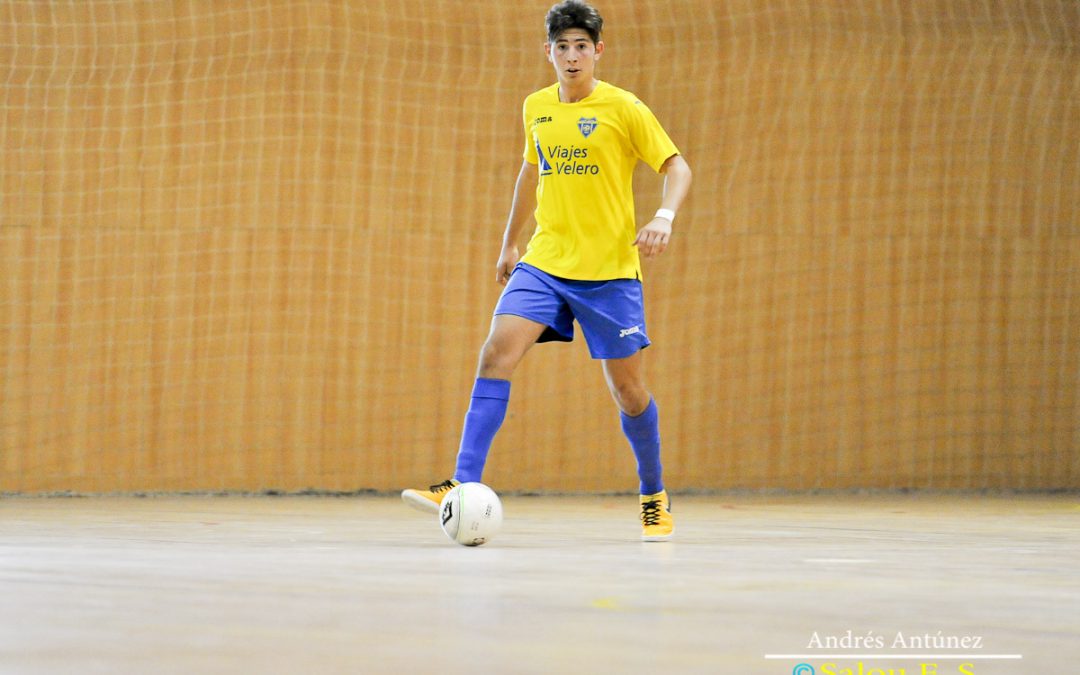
<point>429,499</point>
<point>656,521</point>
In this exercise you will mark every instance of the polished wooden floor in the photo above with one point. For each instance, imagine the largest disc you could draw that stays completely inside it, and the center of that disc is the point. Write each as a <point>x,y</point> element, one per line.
<point>358,585</point>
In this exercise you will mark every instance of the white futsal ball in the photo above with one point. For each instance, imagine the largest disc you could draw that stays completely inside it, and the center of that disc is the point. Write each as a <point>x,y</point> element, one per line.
<point>471,514</point>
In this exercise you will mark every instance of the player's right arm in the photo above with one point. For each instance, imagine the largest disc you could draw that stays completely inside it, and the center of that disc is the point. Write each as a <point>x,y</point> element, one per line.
<point>520,209</point>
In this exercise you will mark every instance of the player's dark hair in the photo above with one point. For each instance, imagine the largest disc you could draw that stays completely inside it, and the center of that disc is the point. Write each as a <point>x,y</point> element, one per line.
<point>574,14</point>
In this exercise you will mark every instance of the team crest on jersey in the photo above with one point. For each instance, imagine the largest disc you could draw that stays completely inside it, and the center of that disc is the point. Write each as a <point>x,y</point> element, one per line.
<point>587,125</point>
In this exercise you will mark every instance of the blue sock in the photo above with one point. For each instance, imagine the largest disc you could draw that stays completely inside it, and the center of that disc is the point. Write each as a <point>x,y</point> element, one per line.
<point>643,432</point>
<point>486,413</point>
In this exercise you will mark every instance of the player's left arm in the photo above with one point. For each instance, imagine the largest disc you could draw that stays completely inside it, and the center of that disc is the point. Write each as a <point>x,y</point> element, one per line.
<point>653,239</point>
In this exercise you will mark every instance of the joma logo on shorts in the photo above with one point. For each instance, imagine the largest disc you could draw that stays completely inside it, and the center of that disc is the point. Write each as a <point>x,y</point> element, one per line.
<point>629,331</point>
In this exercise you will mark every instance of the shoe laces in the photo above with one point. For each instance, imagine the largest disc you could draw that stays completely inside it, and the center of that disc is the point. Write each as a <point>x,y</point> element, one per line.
<point>650,512</point>
<point>441,487</point>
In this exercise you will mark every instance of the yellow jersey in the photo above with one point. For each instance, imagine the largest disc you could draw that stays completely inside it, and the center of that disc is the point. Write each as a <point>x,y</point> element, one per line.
<point>585,153</point>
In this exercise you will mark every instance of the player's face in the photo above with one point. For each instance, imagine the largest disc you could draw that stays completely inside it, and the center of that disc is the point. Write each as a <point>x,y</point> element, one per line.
<point>574,55</point>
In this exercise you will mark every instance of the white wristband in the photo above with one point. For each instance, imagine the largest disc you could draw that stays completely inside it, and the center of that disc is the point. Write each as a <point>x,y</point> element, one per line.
<point>666,214</point>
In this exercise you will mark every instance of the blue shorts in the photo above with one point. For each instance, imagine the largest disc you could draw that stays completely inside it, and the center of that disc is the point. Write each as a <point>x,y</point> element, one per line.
<point>611,313</point>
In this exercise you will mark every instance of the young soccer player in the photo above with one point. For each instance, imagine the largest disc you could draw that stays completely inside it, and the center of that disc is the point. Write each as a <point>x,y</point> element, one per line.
<point>583,137</point>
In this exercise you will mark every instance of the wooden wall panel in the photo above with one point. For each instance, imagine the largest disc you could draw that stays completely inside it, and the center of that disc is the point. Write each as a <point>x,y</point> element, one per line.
<point>250,246</point>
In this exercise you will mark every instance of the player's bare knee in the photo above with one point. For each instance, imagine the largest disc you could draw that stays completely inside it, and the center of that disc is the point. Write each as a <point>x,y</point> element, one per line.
<point>631,397</point>
<point>497,360</point>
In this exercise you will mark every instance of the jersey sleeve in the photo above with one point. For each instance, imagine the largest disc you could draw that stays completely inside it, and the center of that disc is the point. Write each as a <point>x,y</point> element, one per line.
<point>650,142</point>
<point>529,154</point>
